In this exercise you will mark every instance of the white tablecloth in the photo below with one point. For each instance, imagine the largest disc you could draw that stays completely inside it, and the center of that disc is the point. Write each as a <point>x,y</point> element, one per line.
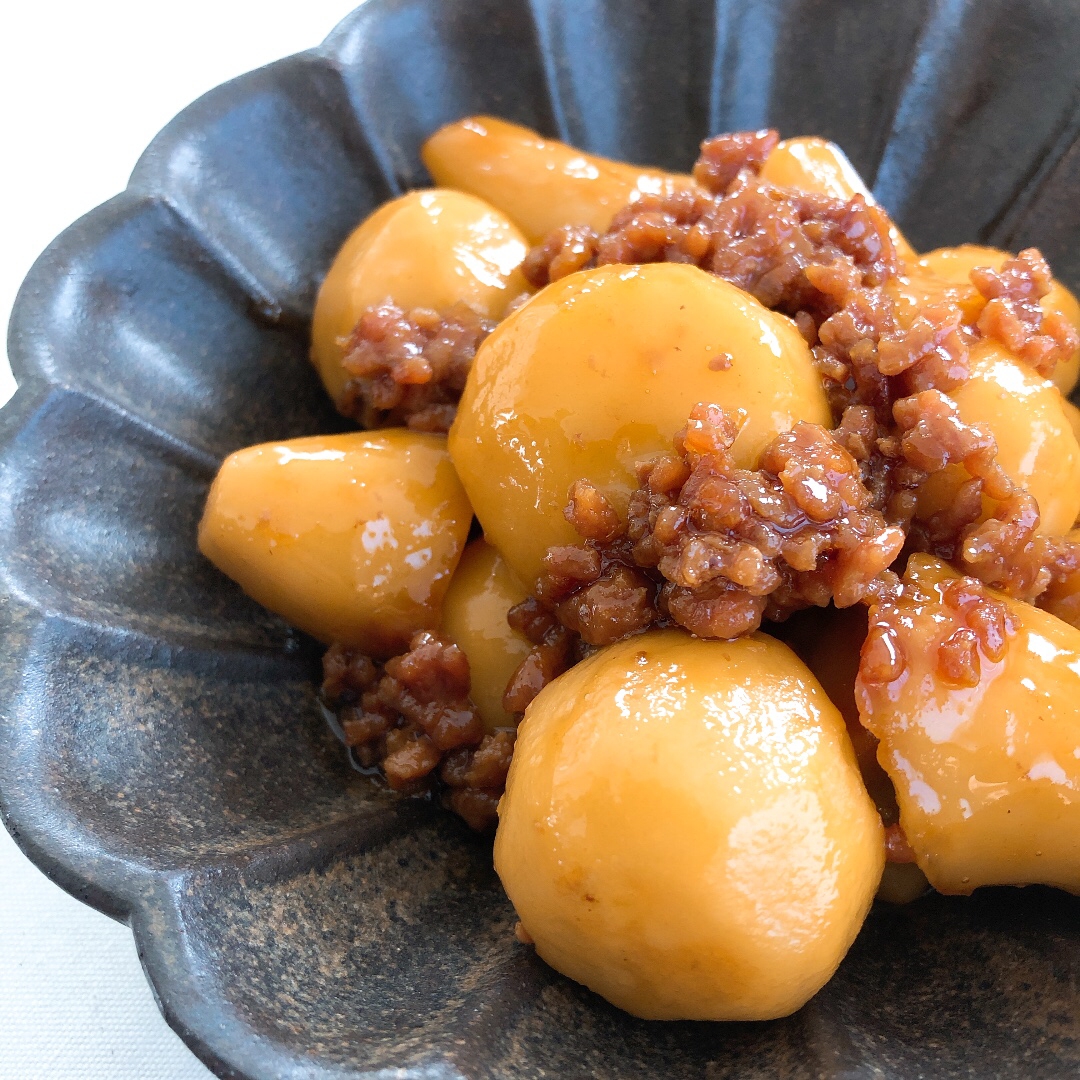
<point>84,88</point>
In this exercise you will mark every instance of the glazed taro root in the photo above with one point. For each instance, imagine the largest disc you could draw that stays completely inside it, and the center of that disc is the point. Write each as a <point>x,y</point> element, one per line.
<point>596,374</point>
<point>352,538</point>
<point>684,829</point>
<point>974,698</point>
<point>475,617</point>
<point>772,599</point>
<point>540,184</point>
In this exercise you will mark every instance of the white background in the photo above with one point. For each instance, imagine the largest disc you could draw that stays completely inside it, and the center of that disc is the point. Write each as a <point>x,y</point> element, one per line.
<point>84,86</point>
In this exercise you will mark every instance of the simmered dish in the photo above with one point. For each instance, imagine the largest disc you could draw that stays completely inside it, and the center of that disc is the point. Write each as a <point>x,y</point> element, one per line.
<point>700,535</point>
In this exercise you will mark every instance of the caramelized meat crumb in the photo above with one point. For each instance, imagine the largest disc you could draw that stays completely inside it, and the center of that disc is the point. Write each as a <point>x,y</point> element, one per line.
<point>592,515</point>
<point>562,252</point>
<point>554,649</point>
<point>724,157</point>
<point>600,597</point>
<point>475,778</point>
<point>882,658</point>
<point>409,367</point>
<point>412,718</point>
<point>959,623</point>
<point>716,548</point>
<point>1014,317</point>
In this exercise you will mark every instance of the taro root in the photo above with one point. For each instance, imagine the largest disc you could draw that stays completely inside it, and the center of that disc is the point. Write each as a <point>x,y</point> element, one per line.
<point>541,184</point>
<point>428,249</point>
<point>596,373</point>
<point>974,698</point>
<point>684,829</point>
<point>352,538</point>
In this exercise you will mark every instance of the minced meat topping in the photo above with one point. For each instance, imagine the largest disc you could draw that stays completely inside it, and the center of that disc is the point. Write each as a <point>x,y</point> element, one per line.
<point>409,367</point>
<point>1014,317</point>
<point>963,624</point>
<point>412,717</point>
<point>715,548</point>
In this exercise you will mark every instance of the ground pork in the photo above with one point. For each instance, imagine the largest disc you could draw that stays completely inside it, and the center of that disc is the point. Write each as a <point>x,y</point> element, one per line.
<point>976,621</point>
<point>409,367</point>
<point>1014,317</point>
<point>412,717</point>
<point>715,548</point>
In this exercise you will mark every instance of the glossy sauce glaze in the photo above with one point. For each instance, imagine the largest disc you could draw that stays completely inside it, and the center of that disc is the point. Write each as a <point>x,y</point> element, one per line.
<point>482,591</point>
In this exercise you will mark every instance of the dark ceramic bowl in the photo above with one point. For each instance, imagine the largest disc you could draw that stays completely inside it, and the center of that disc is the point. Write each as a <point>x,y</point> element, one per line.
<point>162,755</point>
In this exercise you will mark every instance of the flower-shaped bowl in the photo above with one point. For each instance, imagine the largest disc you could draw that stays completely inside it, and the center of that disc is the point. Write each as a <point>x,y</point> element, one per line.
<point>162,752</point>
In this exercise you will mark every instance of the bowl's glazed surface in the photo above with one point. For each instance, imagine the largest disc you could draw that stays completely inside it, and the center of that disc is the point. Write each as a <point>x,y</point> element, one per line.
<point>162,753</point>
